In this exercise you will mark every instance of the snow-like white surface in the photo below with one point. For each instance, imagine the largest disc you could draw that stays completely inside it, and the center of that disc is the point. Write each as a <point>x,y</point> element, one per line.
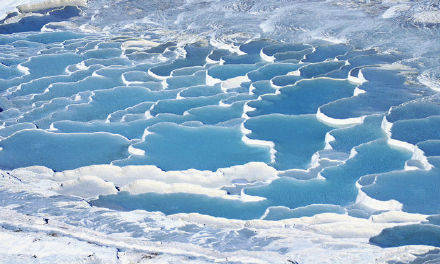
<point>91,181</point>
<point>7,6</point>
<point>46,228</point>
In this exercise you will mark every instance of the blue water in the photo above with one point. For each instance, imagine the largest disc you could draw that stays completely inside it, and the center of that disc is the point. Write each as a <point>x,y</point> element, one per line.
<point>311,101</point>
